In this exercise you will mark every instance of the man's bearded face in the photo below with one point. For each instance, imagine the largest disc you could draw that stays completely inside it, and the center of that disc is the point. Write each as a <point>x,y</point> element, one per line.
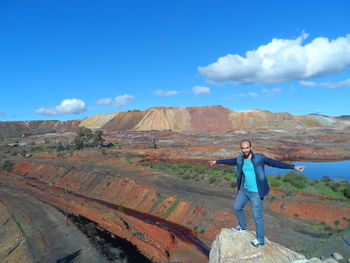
<point>246,149</point>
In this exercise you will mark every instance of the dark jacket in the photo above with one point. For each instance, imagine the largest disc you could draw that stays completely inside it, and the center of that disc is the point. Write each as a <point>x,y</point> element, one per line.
<point>258,160</point>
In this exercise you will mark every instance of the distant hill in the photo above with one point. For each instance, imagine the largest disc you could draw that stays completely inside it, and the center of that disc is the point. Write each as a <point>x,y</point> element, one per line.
<point>181,119</point>
<point>18,128</point>
<point>206,119</point>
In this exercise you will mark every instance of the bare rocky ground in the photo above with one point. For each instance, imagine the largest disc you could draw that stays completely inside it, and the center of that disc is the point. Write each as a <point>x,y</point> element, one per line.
<point>49,238</point>
<point>46,231</point>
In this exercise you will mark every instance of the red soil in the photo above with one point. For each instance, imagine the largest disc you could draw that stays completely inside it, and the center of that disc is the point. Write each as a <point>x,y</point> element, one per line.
<point>320,212</point>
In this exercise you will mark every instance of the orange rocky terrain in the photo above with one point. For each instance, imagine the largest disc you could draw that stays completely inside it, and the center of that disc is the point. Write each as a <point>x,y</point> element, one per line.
<point>166,218</point>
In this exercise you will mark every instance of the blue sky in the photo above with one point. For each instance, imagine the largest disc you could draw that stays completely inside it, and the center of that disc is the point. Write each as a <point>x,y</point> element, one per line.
<point>67,60</point>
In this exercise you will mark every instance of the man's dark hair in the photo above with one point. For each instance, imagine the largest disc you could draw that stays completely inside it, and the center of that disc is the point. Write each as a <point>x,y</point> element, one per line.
<point>250,144</point>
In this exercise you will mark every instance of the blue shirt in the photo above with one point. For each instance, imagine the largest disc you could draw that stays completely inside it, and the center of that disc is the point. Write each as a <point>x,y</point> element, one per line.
<point>258,160</point>
<point>249,176</point>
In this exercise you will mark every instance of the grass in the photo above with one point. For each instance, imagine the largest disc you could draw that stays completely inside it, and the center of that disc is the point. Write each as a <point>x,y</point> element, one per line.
<point>331,189</point>
<point>185,171</point>
<point>40,150</point>
<point>172,207</point>
<point>217,175</point>
<point>26,229</point>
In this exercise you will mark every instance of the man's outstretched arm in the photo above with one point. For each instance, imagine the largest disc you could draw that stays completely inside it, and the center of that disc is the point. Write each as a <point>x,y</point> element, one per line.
<point>226,161</point>
<point>282,165</point>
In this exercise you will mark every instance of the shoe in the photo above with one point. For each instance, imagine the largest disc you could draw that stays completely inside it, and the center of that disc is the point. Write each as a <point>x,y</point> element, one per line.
<point>239,229</point>
<point>256,244</point>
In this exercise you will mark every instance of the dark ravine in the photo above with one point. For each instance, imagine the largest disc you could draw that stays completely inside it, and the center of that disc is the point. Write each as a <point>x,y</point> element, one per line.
<point>115,249</point>
<point>179,231</point>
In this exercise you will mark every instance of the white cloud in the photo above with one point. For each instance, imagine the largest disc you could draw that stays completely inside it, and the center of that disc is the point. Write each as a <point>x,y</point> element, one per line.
<point>336,85</point>
<point>247,94</point>
<point>67,106</point>
<point>282,60</point>
<point>307,84</point>
<point>2,113</point>
<point>122,100</point>
<point>166,93</point>
<point>118,101</point>
<point>104,101</point>
<point>272,92</point>
<point>200,90</point>
<point>252,94</point>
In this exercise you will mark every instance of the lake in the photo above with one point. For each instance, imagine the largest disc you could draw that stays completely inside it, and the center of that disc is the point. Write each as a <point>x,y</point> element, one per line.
<point>316,170</point>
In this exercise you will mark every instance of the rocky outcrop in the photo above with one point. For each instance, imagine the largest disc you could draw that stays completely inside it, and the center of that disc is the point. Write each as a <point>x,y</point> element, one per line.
<point>231,246</point>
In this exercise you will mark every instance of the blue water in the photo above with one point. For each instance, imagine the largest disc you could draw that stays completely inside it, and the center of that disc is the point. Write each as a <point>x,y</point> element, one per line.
<point>316,170</point>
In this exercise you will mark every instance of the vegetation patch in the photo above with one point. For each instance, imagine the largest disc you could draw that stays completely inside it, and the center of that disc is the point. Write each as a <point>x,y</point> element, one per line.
<point>297,182</point>
<point>172,207</point>
<point>214,175</point>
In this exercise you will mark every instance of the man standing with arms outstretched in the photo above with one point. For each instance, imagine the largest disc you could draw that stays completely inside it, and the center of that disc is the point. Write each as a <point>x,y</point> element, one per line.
<point>252,186</point>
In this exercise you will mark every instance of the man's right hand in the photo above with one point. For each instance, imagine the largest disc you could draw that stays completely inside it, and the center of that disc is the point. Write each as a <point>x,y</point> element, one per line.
<point>212,163</point>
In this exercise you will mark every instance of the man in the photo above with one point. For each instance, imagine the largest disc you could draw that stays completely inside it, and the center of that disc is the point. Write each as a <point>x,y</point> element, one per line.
<point>252,186</point>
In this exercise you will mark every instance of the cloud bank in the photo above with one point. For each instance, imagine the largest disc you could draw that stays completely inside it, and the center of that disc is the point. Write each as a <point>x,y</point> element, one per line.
<point>118,101</point>
<point>282,60</point>
<point>166,93</point>
<point>2,113</point>
<point>67,106</point>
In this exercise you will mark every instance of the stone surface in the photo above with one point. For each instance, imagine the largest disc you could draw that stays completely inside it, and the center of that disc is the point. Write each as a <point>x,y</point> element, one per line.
<point>231,246</point>
<point>337,256</point>
<point>330,260</point>
<point>13,244</point>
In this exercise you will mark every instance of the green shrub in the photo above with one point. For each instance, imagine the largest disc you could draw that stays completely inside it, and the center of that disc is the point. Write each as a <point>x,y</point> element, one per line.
<point>296,179</point>
<point>326,179</point>
<point>186,177</point>
<point>212,179</point>
<point>7,166</point>
<point>275,183</point>
<point>347,191</point>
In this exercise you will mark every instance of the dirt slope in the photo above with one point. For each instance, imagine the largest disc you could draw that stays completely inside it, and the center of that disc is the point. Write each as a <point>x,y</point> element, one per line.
<point>45,231</point>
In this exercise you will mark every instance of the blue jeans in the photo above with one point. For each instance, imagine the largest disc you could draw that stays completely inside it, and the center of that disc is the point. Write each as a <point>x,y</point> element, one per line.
<point>242,198</point>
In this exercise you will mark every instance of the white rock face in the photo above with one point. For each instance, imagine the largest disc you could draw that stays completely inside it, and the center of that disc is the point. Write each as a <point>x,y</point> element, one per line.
<point>231,246</point>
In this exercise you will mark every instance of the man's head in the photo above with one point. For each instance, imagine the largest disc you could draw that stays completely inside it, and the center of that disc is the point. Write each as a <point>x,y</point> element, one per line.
<point>246,148</point>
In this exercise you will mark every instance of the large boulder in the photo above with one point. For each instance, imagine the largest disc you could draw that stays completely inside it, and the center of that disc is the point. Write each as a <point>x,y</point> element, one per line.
<point>231,246</point>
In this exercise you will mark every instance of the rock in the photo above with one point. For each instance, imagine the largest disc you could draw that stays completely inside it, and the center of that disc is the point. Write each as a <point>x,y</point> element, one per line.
<point>330,260</point>
<point>337,256</point>
<point>230,246</point>
<point>313,260</point>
